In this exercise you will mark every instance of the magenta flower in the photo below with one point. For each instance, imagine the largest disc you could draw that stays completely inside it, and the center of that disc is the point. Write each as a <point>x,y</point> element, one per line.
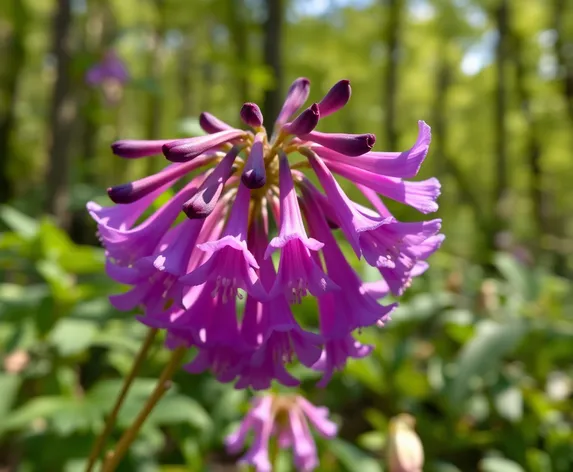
<point>286,418</point>
<point>110,75</point>
<point>208,266</point>
<point>110,68</point>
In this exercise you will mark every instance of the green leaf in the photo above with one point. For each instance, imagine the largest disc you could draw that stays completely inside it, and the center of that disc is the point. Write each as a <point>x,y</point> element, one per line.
<point>521,279</point>
<point>175,409</point>
<point>9,386</point>
<point>499,464</point>
<point>71,336</point>
<point>18,222</point>
<point>481,354</point>
<point>353,459</point>
<point>42,408</point>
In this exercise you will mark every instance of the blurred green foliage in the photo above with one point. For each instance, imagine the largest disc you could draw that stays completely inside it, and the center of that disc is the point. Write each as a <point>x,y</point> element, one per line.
<point>484,364</point>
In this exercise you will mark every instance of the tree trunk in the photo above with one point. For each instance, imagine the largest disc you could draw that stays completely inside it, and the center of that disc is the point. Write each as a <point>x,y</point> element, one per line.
<point>444,163</point>
<point>15,55</point>
<point>537,196</point>
<point>155,73</point>
<point>564,54</point>
<point>392,39</point>
<point>500,132</point>
<point>185,74</point>
<point>62,116</point>
<point>239,34</point>
<point>273,59</point>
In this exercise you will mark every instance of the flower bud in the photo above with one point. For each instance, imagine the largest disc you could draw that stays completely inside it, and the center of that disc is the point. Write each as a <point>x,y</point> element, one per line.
<point>211,124</point>
<point>296,96</point>
<point>336,98</point>
<point>305,122</point>
<point>251,115</point>
<point>183,150</point>
<point>134,149</point>
<point>254,174</point>
<point>404,450</point>
<point>347,144</point>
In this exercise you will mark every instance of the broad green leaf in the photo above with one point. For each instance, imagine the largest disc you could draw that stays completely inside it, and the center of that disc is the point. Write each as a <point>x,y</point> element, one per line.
<point>482,353</point>
<point>72,336</point>
<point>9,386</point>
<point>352,458</point>
<point>499,464</point>
<point>18,222</point>
<point>175,409</point>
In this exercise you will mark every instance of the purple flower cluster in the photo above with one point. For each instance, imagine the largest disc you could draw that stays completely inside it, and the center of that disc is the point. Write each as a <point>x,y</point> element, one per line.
<point>286,418</point>
<point>193,276</point>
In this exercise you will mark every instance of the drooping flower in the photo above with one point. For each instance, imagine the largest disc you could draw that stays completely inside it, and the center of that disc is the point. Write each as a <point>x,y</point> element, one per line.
<point>286,419</point>
<point>223,283</point>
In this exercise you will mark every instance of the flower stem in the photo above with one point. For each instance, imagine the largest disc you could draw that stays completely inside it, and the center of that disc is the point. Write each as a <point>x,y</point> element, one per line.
<point>110,422</point>
<point>114,457</point>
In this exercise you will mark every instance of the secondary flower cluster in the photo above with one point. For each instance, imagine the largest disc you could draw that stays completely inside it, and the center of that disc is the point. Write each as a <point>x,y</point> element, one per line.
<point>110,75</point>
<point>189,275</point>
<point>286,418</point>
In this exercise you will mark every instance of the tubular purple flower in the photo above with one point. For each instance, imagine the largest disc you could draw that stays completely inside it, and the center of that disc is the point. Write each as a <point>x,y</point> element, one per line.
<point>133,191</point>
<point>419,195</point>
<point>156,277</point>
<point>391,164</point>
<point>211,124</point>
<point>296,96</point>
<point>286,418</point>
<point>298,273</point>
<point>203,202</point>
<point>183,150</point>
<point>254,173</point>
<point>350,308</point>
<point>305,122</point>
<point>134,149</point>
<point>251,115</point>
<point>336,353</point>
<point>231,265</point>
<point>347,144</point>
<point>272,330</point>
<point>125,246</point>
<point>336,98</point>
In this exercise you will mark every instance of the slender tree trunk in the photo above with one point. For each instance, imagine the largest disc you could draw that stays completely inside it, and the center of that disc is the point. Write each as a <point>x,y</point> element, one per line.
<point>185,76</point>
<point>564,53</point>
<point>500,168</point>
<point>392,39</point>
<point>537,196</point>
<point>15,53</point>
<point>240,35</point>
<point>62,116</point>
<point>445,162</point>
<point>273,58</point>
<point>155,73</point>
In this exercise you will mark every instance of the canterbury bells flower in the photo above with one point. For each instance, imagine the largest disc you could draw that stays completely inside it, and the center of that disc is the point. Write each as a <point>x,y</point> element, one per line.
<point>222,282</point>
<point>286,418</point>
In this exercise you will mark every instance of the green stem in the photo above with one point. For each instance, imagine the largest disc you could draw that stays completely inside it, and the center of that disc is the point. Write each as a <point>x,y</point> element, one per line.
<point>110,422</point>
<point>114,457</point>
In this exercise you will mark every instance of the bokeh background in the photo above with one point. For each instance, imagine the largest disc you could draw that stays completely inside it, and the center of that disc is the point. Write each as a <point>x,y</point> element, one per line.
<point>481,349</point>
